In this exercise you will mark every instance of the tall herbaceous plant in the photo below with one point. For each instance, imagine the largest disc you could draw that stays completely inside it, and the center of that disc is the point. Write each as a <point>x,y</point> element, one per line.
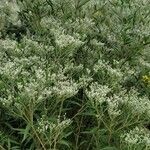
<point>74,74</point>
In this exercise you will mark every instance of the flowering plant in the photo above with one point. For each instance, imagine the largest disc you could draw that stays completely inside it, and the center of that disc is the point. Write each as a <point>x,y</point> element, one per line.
<point>74,75</point>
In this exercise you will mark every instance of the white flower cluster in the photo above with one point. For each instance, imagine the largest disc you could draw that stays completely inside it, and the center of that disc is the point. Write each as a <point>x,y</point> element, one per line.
<point>85,80</point>
<point>70,67</point>
<point>10,9</point>
<point>40,74</point>
<point>10,69</point>
<point>136,105</point>
<point>65,40</point>
<point>33,86</point>
<point>61,88</point>
<point>8,48</point>
<point>13,69</point>
<point>29,92</point>
<point>7,101</point>
<point>140,106</point>
<point>62,39</point>
<point>83,26</point>
<point>64,89</point>
<point>31,89</point>
<point>8,44</point>
<point>30,46</point>
<point>98,92</point>
<point>113,107</point>
<point>48,22</point>
<point>137,137</point>
<point>51,127</point>
<point>144,64</point>
<point>113,72</point>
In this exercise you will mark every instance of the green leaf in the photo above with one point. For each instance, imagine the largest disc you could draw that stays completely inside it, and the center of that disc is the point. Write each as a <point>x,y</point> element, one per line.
<point>26,131</point>
<point>67,134</point>
<point>82,3</point>
<point>63,142</point>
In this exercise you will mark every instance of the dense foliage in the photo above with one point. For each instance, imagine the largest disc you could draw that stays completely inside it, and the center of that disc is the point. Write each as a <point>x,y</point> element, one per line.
<point>74,74</point>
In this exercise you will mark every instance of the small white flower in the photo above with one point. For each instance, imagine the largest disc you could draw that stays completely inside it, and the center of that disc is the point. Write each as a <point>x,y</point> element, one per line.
<point>98,92</point>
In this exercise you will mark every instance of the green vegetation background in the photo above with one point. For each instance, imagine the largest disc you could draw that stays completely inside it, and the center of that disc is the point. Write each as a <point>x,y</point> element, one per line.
<point>74,75</point>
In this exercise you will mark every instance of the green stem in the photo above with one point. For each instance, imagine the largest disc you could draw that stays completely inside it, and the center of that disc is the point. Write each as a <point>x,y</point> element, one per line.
<point>2,148</point>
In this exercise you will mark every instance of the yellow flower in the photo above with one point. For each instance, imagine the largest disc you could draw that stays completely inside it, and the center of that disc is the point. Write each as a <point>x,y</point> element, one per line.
<point>97,13</point>
<point>146,79</point>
